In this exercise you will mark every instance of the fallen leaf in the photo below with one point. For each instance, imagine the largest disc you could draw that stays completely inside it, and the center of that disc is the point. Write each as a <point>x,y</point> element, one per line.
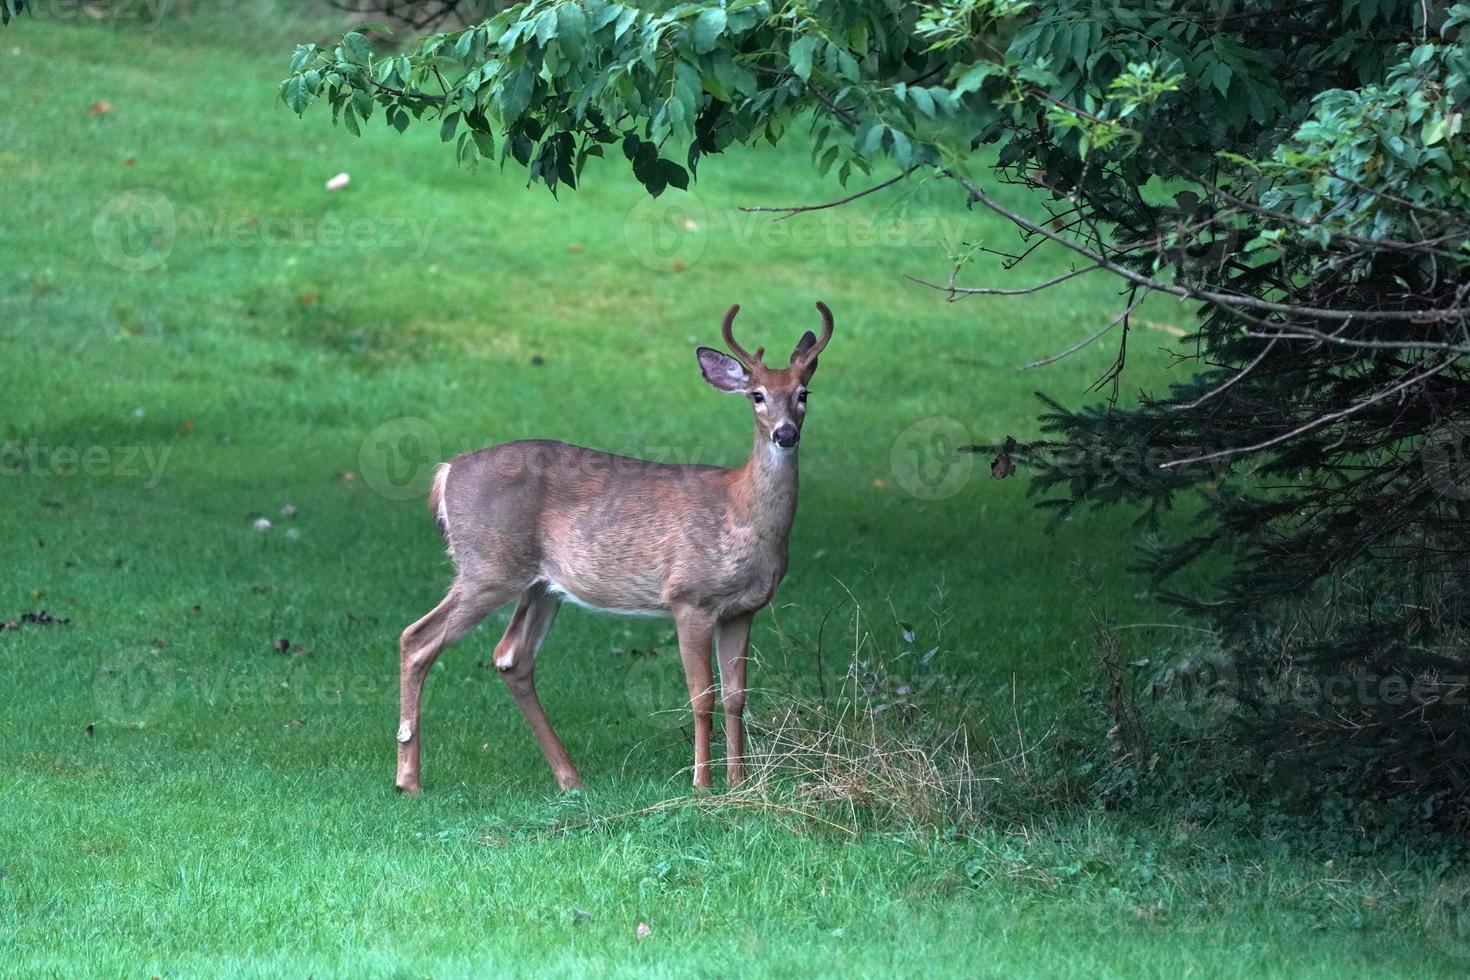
<point>309,299</point>
<point>1003,466</point>
<point>643,932</point>
<point>576,247</point>
<point>100,108</point>
<point>130,163</point>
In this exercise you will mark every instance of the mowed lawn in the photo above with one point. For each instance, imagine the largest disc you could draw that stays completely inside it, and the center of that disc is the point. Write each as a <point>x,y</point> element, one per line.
<point>201,760</point>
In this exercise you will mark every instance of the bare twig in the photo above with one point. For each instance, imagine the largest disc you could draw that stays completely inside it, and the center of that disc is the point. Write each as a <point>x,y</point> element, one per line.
<point>787,212</point>
<point>1083,343</point>
<point>954,290</point>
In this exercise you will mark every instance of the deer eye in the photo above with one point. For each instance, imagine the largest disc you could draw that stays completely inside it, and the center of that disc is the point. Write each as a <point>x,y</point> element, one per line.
<point>757,397</point>
<point>801,397</point>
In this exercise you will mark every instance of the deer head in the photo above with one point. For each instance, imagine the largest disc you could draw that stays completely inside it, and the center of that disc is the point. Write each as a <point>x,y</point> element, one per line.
<point>777,395</point>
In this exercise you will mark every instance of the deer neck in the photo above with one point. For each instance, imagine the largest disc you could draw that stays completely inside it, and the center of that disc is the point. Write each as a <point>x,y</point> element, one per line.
<point>766,488</point>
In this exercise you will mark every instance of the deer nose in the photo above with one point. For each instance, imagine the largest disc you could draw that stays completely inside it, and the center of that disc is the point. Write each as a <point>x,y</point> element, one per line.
<point>786,435</point>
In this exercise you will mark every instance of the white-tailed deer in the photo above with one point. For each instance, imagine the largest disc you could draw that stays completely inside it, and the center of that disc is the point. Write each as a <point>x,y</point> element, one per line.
<point>539,522</point>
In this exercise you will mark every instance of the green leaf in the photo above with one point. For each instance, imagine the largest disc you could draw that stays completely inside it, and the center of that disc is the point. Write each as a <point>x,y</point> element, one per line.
<point>571,30</point>
<point>357,46</point>
<point>707,29</point>
<point>674,175</point>
<point>872,140</point>
<point>903,150</point>
<point>801,57</point>
<point>921,98</point>
<point>451,123</point>
<point>1220,77</point>
<point>971,80</point>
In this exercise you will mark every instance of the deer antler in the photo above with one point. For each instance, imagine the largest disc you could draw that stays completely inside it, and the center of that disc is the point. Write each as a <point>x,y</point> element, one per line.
<point>741,354</point>
<point>811,352</point>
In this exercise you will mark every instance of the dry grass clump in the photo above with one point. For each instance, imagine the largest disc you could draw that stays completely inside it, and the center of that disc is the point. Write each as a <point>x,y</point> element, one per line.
<point>896,741</point>
<point>851,763</point>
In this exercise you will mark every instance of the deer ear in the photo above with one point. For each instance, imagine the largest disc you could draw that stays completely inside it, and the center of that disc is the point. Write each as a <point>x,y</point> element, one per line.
<point>722,371</point>
<point>803,345</point>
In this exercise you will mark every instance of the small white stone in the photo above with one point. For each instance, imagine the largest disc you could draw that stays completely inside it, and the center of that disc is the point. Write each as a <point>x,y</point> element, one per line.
<point>262,524</point>
<point>293,534</point>
<point>338,182</point>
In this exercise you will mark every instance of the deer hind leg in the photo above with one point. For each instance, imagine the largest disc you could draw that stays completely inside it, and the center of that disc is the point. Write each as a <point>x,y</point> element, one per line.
<point>696,629</point>
<point>515,658</point>
<point>731,642</point>
<point>419,646</point>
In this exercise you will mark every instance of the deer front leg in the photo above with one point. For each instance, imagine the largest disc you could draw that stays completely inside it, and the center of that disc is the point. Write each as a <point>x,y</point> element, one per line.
<point>731,642</point>
<point>696,630</point>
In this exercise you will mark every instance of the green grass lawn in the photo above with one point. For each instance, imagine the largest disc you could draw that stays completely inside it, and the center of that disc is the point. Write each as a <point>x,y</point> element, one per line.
<point>188,799</point>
